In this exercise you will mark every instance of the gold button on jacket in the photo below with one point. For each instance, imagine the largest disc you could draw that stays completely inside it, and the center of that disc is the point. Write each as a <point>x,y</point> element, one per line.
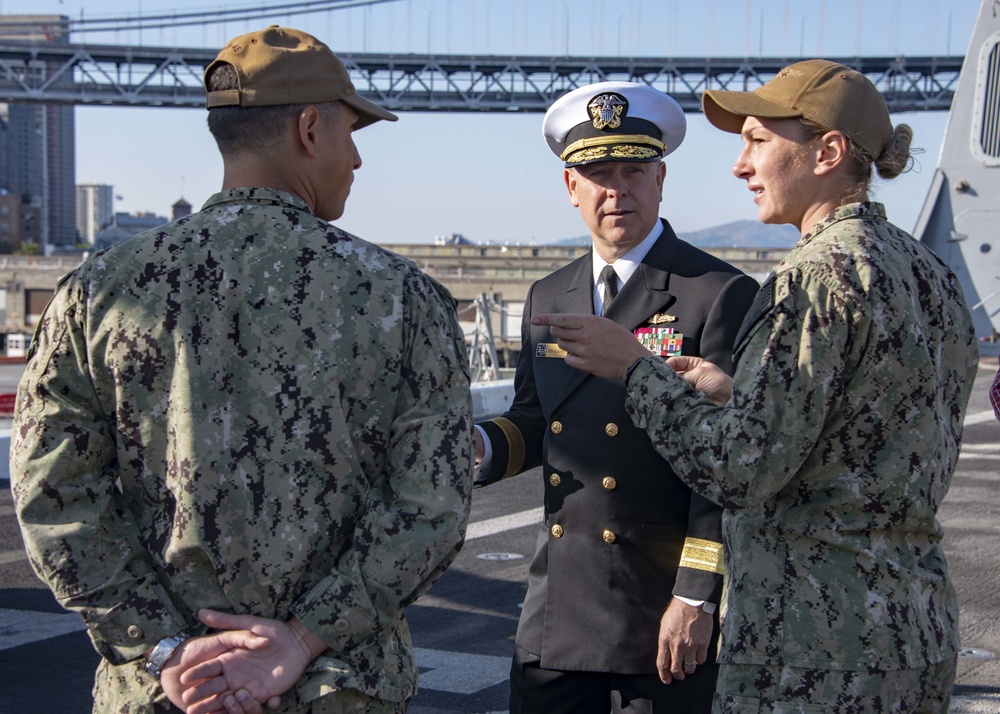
<point>556,427</point>
<point>557,530</point>
<point>611,429</point>
<point>555,480</point>
<point>609,483</point>
<point>608,536</point>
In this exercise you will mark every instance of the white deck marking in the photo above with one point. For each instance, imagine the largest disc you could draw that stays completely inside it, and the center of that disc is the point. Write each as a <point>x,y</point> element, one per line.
<point>492,526</point>
<point>979,418</point>
<point>20,627</point>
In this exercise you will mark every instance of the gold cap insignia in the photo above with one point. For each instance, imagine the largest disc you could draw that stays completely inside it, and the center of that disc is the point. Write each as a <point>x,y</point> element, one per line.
<point>608,110</point>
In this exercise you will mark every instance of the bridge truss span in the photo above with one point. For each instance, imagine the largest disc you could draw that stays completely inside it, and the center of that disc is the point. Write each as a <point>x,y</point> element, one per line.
<point>151,76</point>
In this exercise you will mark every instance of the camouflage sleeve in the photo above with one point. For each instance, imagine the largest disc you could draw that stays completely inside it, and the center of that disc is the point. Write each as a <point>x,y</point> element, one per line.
<point>789,364</point>
<point>417,513</point>
<point>80,537</point>
<point>699,572</point>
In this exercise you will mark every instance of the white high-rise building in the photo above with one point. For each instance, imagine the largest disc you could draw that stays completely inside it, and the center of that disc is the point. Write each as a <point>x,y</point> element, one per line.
<point>94,209</point>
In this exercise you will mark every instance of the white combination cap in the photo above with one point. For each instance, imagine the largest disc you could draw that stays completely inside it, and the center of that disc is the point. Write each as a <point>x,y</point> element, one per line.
<point>613,121</point>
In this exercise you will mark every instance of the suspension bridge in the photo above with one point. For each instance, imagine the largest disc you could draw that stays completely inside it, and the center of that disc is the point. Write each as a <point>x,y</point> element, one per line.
<point>63,73</point>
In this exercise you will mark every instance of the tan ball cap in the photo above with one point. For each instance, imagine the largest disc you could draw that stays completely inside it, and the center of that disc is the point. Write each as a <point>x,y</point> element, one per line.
<point>281,66</point>
<point>827,93</point>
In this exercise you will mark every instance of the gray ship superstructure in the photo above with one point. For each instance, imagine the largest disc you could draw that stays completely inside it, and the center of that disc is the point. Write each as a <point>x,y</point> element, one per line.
<point>960,219</point>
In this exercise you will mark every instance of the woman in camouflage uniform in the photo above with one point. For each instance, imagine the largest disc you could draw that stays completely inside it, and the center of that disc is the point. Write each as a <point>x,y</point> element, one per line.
<point>834,443</point>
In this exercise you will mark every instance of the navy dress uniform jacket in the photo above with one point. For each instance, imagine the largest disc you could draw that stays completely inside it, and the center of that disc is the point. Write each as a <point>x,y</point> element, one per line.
<point>616,516</point>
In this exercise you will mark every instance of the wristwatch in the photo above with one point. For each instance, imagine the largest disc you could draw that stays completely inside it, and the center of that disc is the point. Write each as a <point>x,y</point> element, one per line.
<point>161,653</point>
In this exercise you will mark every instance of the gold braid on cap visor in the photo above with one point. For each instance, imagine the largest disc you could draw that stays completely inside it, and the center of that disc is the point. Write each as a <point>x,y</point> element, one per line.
<point>644,149</point>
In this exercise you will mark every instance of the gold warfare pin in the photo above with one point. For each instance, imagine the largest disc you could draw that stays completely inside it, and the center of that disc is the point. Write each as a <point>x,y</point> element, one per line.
<point>661,317</point>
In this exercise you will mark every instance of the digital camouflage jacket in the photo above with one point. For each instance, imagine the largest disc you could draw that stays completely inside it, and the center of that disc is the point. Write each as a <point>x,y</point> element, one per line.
<point>854,369</point>
<point>250,410</point>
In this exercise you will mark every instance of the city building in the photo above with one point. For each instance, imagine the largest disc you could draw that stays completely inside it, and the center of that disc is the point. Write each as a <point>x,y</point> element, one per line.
<point>180,209</point>
<point>11,229</point>
<point>124,226</point>
<point>4,148</point>
<point>95,209</point>
<point>38,150</point>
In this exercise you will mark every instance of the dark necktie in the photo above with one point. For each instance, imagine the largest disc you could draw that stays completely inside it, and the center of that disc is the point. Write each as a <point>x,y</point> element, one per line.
<point>610,278</point>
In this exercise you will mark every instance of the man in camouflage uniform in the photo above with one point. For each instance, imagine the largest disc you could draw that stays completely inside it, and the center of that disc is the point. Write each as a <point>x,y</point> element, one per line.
<point>833,445</point>
<point>251,411</point>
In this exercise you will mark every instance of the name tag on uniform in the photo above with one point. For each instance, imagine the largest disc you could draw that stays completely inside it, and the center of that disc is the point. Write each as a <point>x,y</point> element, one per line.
<point>549,349</point>
<point>663,341</point>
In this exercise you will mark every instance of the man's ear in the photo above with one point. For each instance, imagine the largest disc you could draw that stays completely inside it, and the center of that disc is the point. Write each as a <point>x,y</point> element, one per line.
<point>831,150</point>
<point>569,178</point>
<point>307,129</point>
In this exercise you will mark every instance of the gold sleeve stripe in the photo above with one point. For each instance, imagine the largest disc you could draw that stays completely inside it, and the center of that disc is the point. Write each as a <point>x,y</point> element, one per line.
<point>702,555</point>
<point>515,446</point>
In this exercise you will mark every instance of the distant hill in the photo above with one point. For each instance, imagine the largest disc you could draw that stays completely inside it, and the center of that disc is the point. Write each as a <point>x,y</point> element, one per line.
<point>744,234</point>
<point>570,242</point>
<point>739,234</point>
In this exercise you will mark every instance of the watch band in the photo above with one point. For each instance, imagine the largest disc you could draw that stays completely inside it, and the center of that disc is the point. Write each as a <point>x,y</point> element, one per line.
<point>631,369</point>
<point>161,653</point>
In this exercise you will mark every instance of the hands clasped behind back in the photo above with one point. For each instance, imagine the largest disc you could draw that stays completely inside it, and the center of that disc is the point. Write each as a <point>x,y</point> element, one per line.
<point>247,666</point>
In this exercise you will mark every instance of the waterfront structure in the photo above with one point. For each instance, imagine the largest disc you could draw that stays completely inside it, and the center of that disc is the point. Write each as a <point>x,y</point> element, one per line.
<point>95,208</point>
<point>39,161</point>
<point>505,272</point>
<point>502,272</point>
<point>27,283</point>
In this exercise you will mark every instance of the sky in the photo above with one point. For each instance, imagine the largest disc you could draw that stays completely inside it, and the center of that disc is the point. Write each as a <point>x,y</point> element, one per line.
<point>490,176</point>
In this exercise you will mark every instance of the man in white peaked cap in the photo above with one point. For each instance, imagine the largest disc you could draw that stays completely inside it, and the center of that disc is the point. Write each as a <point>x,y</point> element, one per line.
<point>621,610</point>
